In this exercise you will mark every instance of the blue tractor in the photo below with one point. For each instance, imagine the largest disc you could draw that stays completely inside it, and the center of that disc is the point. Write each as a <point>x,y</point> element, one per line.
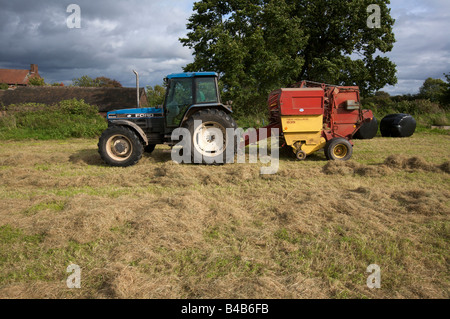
<point>193,102</point>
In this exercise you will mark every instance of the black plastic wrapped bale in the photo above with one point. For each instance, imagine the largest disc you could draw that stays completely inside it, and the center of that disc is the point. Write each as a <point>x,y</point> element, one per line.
<point>398,125</point>
<point>367,131</point>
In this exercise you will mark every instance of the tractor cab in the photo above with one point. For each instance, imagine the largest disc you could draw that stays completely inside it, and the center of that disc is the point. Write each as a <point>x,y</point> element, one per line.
<point>186,93</point>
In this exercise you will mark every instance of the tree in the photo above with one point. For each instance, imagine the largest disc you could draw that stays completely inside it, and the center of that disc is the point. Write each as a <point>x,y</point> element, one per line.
<point>261,45</point>
<point>446,98</point>
<point>155,95</point>
<point>87,81</point>
<point>381,101</point>
<point>382,94</point>
<point>36,81</point>
<point>433,90</point>
<point>107,82</point>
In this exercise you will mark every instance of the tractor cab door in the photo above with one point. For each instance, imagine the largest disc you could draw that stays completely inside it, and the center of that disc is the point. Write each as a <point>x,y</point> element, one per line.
<point>206,90</point>
<point>184,92</point>
<point>179,98</point>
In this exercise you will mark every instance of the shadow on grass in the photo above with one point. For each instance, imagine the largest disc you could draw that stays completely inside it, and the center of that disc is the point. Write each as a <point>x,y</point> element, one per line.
<point>287,155</point>
<point>92,157</point>
<point>159,155</point>
<point>89,157</point>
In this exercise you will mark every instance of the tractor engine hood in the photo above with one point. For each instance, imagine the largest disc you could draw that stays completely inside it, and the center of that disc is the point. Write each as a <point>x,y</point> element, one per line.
<point>141,113</point>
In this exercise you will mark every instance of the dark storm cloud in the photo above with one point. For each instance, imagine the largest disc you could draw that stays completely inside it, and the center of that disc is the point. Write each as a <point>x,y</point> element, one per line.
<point>115,37</point>
<point>118,36</point>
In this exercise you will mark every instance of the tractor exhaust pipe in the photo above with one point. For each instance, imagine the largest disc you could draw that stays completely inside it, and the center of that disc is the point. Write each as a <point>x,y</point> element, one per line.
<point>137,88</point>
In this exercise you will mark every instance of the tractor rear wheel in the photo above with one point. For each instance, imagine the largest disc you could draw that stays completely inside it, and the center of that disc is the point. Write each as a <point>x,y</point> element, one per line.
<point>338,149</point>
<point>120,146</point>
<point>209,142</point>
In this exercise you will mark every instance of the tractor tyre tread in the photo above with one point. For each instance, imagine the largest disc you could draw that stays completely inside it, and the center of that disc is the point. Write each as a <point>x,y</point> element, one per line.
<point>137,151</point>
<point>211,115</point>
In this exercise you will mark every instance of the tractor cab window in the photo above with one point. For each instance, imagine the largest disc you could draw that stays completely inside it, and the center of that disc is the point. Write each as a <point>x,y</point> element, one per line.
<point>206,90</point>
<point>179,99</point>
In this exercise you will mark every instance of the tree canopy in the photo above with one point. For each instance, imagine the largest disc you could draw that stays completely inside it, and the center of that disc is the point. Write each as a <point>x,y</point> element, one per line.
<point>107,82</point>
<point>36,81</point>
<point>433,90</point>
<point>87,81</point>
<point>446,99</point>
<point>261,45</point>
<point>155,95</point>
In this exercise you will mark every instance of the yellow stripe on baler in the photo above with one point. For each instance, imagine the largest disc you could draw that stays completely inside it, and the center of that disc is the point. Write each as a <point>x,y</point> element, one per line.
<point>302,123</point>
<point>305,129</point>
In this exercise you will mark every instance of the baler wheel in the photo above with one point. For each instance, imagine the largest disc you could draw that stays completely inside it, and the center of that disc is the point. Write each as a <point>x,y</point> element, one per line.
<point>301,155</point>
<point>338,149</point>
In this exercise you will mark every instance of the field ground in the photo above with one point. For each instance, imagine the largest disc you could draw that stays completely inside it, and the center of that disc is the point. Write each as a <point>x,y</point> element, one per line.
<point>162,230</point>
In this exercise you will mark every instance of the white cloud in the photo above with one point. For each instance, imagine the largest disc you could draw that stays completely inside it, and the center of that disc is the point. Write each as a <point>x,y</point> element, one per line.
<point>422,48</point>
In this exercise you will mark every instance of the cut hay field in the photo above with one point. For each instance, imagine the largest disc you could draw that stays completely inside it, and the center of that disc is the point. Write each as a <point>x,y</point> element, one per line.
<point>162,230</point>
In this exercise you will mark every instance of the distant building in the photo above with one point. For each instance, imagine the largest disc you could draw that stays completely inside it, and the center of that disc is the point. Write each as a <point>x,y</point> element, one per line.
<point>19,77</point>
<point>106,99</point>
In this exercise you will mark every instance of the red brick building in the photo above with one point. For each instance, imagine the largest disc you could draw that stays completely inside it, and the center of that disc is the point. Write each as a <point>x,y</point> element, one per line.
<point>19,77</point>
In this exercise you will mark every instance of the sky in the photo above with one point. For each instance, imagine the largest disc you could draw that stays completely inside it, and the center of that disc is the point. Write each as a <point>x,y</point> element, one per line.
<point>117,37</point>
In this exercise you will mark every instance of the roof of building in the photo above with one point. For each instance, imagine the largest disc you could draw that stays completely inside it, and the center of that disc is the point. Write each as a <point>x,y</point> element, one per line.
<point>13,77</point>
<point>106,99</point>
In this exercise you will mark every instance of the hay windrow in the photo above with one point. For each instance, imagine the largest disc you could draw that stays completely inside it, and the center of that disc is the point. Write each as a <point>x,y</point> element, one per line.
<point>445,167</point>
<point>163,230</point>
<point>391,164</point>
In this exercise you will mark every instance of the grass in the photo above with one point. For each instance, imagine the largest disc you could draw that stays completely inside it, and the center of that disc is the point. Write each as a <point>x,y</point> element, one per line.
<point>51,205</point>
<point>162,230</point>
<point>67,119</point>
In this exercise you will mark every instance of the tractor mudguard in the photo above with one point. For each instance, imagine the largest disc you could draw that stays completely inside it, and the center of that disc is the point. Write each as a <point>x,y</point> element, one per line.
<point>133,126</point>
<point>197,107</point>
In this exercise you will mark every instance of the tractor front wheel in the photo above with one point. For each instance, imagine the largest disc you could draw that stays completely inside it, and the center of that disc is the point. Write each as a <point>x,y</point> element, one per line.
<point>338,149</point>
<point>120,146</point>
